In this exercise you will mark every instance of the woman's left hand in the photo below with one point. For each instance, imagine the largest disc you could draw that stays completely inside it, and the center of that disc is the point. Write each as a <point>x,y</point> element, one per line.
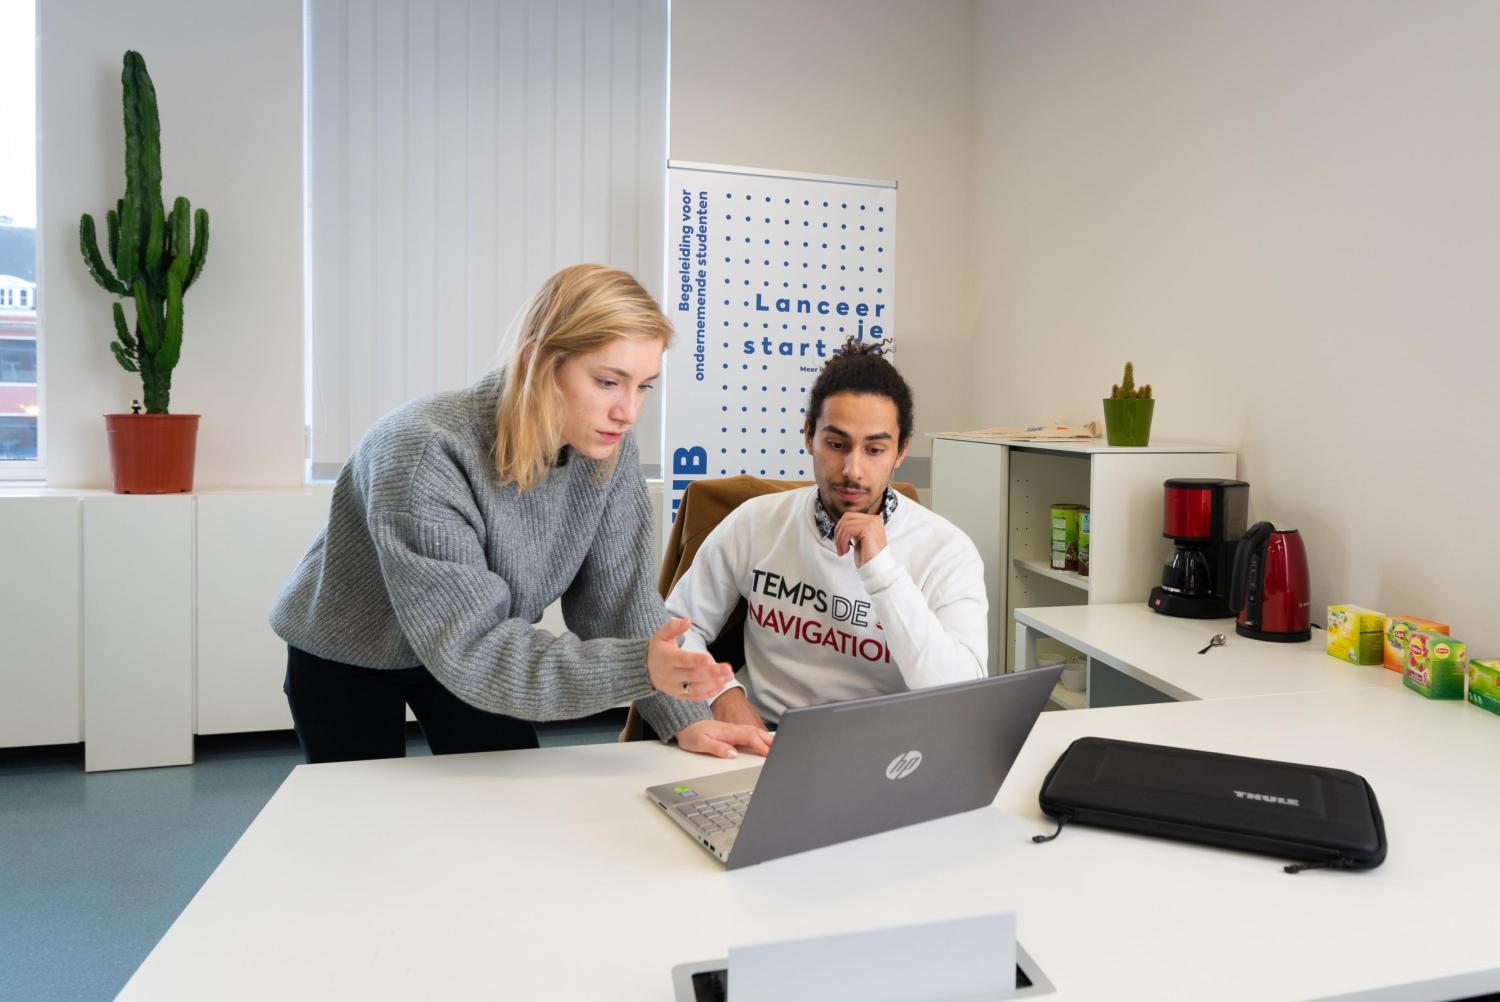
<point>715,737</point>
<point>679,672</point>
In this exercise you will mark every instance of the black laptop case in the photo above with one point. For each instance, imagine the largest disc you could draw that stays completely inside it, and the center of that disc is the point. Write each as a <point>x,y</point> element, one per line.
<point>1322,817</point>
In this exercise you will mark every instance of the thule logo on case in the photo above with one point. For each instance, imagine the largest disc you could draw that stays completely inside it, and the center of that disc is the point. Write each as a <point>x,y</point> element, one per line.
<point>903,765</point>
<point>1268,798</point>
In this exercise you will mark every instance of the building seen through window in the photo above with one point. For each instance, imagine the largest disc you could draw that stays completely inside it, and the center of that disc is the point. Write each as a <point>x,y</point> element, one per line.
<point>20,411</point>
<point>18,334</point>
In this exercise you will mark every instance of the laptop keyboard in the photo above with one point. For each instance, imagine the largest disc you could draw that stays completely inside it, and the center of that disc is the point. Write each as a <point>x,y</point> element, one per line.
<point>718,814</point>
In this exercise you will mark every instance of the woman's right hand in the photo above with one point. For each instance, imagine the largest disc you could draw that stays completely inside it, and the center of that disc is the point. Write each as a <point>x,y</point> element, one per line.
<point>683,674</point>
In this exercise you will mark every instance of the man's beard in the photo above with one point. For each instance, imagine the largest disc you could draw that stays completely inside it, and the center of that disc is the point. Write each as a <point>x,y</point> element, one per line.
<point>834,503</point>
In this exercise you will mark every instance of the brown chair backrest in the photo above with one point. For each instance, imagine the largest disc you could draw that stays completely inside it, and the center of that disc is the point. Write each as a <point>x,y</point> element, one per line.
<point>703,506</point>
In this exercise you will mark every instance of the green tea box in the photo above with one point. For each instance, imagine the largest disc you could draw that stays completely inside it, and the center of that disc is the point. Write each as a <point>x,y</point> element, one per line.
<point>1356,634</point>
<point>1435,665</point>
<point>1484,684</point>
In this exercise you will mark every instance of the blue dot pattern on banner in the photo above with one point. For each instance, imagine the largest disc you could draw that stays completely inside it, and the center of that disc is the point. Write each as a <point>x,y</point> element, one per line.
<point>789,334</point>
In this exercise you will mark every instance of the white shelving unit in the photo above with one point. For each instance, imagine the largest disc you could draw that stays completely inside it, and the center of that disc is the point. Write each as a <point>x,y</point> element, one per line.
<point>1046,570</point>
<point>1067,699</point>
<point>1001,494</point>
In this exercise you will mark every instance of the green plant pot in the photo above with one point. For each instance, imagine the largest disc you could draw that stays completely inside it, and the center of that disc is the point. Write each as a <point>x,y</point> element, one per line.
<point>1128,422</point>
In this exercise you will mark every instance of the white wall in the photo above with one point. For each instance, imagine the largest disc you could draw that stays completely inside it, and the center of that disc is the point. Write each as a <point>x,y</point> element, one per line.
<point>1288,215</point>
<point>228,77</point>
<point>856,88</point>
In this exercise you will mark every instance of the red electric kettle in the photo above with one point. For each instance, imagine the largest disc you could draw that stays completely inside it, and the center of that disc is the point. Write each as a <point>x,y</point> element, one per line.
<point>1269,587</point>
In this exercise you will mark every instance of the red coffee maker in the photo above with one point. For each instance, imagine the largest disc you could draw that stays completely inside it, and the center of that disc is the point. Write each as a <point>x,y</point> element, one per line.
<point>1205,519</point>
<point>1270,591</point>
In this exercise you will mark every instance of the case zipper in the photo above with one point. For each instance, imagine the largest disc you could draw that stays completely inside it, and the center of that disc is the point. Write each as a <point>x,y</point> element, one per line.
<point>1341,863</point>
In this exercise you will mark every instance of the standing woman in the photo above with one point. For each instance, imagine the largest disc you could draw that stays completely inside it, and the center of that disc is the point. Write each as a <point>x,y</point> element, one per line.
<point>462,516</point>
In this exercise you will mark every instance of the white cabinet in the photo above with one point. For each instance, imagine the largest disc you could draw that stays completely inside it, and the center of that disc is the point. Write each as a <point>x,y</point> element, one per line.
<point>1001,494</point>
<point>248,545</point>
<point>137,631</point>
<point>133,622</point>
<point>40,591</point>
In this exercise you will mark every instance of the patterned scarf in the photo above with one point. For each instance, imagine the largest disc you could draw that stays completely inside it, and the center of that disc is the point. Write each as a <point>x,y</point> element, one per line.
<point>826,522</point>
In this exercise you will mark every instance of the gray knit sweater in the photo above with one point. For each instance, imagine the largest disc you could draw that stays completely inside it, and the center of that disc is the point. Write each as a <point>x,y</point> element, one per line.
<point>427,559</point>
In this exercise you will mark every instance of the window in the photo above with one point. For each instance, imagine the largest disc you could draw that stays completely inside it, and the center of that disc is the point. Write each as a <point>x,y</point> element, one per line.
<point>20,410</point>
<point>18,360</point>
<point>17,437</point>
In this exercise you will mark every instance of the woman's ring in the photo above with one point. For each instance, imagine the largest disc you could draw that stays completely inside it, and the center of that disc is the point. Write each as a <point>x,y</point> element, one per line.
<point>686,686</point>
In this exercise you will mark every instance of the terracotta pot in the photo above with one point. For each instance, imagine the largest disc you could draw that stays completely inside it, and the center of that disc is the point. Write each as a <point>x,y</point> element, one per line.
<point>152,453</point>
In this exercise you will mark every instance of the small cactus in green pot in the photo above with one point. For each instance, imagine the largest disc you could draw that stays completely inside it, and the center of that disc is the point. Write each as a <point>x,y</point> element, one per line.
<point>1127,412</point>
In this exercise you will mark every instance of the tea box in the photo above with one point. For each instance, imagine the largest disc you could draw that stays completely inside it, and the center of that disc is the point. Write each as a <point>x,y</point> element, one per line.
<point>1435,665</point>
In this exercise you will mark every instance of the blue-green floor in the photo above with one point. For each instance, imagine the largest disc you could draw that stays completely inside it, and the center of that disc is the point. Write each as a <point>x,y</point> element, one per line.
<point>95,866</point>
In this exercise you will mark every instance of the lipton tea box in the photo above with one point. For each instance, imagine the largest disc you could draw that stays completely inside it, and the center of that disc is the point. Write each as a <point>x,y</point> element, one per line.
<point>1396,629</point>
<point>1435,665</point>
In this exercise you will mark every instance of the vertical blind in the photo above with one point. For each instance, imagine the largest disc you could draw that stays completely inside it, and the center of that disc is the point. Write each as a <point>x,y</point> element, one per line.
<point>459,152</point>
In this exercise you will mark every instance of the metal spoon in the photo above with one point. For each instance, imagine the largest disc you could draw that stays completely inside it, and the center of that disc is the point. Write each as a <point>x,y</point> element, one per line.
<point>1216,641</point>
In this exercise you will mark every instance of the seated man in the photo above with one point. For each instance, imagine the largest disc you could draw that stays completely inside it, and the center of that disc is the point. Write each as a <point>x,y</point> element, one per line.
<point>852,590</point>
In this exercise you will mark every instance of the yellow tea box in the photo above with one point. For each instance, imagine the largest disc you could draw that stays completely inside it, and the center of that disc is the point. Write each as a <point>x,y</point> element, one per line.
<point>1355,634</point>
<point>1484,684</point>
<point>1435,665</point>
<point>1396,629</point>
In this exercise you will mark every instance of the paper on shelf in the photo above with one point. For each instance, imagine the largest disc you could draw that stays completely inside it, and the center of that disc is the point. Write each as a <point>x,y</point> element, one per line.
<point>1039,432</point>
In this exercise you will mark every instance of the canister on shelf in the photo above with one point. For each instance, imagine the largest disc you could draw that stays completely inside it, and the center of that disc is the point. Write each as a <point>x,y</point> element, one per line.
<point>1075,674</point>
<point>1083,542</point>
<point>1065,536</point>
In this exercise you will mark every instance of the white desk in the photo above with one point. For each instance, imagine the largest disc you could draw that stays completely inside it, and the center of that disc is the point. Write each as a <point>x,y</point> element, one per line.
<point>1161,652</point>
<point>548,875</point>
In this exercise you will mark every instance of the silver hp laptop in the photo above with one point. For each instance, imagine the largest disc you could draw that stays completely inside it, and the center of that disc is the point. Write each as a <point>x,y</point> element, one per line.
<point>844,770</point>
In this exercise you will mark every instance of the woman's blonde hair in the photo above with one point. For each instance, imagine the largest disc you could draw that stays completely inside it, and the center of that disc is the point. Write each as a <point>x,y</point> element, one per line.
<point>576,311</point>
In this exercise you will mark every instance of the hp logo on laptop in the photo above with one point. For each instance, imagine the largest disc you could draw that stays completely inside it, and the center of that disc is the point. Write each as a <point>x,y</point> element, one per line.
<point>903,765</point>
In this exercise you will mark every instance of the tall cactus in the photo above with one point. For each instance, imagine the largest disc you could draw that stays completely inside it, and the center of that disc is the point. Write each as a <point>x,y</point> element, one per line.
<point>153,259</point>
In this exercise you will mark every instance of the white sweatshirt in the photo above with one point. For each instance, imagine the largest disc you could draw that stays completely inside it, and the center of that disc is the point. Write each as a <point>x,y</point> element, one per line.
<point>819,629</point>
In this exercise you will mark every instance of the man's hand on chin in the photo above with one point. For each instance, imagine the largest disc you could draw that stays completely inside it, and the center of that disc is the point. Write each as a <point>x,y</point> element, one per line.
<point>861,532</point>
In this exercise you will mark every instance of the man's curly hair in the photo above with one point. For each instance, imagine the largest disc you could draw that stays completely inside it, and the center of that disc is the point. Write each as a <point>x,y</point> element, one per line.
<point>861,367</point>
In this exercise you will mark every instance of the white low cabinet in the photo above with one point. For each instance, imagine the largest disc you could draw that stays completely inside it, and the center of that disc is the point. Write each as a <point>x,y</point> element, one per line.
<point>40,591</point>
<point>132,623</point>
<point>248,545</point>
<point>137,631</point>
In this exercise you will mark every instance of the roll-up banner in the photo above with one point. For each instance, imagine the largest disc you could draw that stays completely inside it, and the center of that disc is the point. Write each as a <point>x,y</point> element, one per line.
<point>768,273</point>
